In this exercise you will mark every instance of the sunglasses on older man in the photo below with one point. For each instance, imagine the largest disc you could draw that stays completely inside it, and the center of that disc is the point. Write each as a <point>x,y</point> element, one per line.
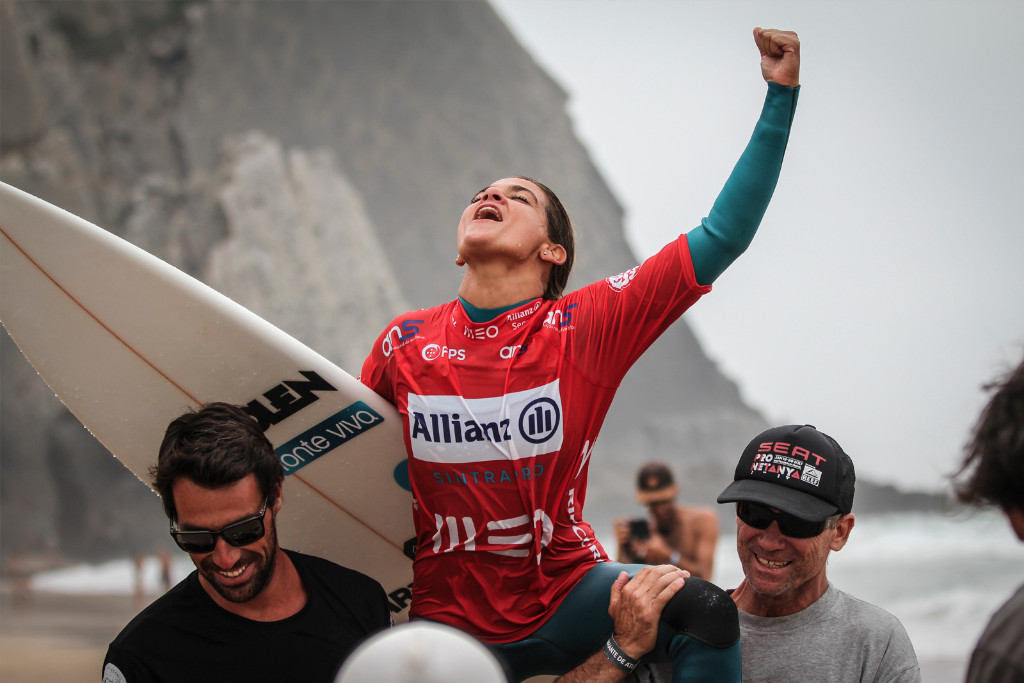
<point>237,534</point>
<point>762,516</point>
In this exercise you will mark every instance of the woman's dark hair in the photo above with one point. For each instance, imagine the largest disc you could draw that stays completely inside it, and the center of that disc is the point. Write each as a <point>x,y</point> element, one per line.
<point>214,447</point>
<point>993,468</point>
<point>560,232</point>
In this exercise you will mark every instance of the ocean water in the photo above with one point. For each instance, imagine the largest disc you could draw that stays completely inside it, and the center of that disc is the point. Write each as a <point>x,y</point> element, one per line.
<point>116,577</point>
<point>941,576</point>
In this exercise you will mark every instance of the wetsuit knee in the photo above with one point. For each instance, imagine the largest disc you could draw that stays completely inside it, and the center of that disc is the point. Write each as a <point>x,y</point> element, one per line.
<point>704,612</point>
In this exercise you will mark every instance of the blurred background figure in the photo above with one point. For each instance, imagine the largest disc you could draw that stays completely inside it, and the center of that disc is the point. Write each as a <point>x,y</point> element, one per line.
<point>682,535</point>
<point>164,557</point>
<point>139,588</point>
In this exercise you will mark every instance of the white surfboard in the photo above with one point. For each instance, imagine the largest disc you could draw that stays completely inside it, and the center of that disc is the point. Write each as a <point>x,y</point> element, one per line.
<point>129,342</point>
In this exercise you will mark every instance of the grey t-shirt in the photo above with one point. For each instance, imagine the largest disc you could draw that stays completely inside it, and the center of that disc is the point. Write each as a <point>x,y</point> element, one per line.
<point>838,638</point>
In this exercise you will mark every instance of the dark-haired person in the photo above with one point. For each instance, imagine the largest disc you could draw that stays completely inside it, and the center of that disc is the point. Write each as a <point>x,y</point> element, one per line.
<point>992,474</point>
<point>683,535</point>
<point>793,490</point>
<point>251,611</point>
<point>503,392</point>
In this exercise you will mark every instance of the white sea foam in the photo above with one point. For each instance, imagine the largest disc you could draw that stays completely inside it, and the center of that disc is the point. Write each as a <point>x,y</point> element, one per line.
<point>117,577</point>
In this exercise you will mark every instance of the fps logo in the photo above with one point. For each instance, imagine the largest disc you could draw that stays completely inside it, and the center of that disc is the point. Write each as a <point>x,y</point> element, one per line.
<point>432,352</point>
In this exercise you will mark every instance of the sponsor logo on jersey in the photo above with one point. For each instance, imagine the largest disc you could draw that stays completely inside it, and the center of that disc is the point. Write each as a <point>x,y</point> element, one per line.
<point>508,352</point>
<point>287,398</point>
<point>519,315</point>
<point>580,529</point>
<point>399,335</point>
<point>621,281</point>
<point>560,318</point>
<point>514,537</point>
<point>453,429</point>
<point>490,477</point>
<point>481,333</point>
<point>432,352</point>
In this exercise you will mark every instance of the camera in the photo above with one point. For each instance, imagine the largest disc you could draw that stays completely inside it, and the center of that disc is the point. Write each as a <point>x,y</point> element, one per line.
<point>639,529</point>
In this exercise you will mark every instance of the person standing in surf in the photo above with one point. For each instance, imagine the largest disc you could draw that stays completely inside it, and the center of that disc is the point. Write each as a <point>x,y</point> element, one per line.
<point>503,392</point>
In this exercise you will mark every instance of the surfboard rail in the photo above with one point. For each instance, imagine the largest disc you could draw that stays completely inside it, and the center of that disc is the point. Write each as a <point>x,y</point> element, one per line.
<point>128,342</point>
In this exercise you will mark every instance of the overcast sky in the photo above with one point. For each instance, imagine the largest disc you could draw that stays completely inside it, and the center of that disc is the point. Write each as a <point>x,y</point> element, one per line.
<point>885,285</point>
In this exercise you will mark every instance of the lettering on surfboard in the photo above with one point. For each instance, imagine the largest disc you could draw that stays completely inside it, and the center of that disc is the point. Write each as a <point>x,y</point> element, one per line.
<point>287,398</point>
<point>326,436</point>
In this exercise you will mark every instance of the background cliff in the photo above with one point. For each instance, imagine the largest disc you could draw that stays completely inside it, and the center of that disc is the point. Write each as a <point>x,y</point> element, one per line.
<point>310,160</point>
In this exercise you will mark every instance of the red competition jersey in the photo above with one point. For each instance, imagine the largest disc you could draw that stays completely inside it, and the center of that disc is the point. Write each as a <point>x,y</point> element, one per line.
<point>500,423</point>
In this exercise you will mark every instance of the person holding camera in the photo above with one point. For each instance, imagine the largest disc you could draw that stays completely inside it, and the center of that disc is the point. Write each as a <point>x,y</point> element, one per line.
<point>683,535</point>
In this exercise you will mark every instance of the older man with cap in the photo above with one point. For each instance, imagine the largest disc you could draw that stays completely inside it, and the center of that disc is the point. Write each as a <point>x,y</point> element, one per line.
<point>793,490</point>
<point>683,535</point>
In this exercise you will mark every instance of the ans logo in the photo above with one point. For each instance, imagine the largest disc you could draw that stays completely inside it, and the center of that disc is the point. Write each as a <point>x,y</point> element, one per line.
<point>621,281</point>
<point>397,334</point>
<point>560,318</point>
<point>509,352</point>
<point>288,398</point>
<point>432,352</point>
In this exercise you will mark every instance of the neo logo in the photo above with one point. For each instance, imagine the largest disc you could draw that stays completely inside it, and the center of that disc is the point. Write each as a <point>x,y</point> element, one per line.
<point>489,332</point>
<point>559,318</point>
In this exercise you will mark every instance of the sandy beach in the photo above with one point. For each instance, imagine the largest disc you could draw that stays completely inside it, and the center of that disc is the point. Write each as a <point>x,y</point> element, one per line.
<point>47,637</point>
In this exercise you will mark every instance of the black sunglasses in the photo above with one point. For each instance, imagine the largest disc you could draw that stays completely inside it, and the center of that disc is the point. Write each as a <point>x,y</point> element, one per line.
<point>761,517</point>
<point>237,534</point>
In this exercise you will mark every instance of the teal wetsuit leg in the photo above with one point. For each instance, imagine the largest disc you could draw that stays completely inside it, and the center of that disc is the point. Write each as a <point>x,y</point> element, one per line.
<point>581,625</point>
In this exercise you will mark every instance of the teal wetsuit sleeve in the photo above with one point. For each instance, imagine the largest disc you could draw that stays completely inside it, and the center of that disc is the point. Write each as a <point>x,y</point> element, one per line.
<point>729,228</point>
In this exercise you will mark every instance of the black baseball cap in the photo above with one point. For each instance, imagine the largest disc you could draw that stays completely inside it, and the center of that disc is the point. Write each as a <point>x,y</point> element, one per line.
<point>796,469</point>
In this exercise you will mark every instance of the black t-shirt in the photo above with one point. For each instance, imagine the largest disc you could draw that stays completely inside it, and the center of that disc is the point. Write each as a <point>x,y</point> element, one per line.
<point>185,636</point>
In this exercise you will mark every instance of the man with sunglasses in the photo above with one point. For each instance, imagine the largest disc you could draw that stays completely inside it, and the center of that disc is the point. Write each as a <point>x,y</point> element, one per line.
<point>251,610</point>
<point>793,490</point>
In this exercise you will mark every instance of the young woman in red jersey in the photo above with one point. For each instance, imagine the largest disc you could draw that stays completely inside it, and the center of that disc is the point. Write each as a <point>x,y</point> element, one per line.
<point>503,392</point>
